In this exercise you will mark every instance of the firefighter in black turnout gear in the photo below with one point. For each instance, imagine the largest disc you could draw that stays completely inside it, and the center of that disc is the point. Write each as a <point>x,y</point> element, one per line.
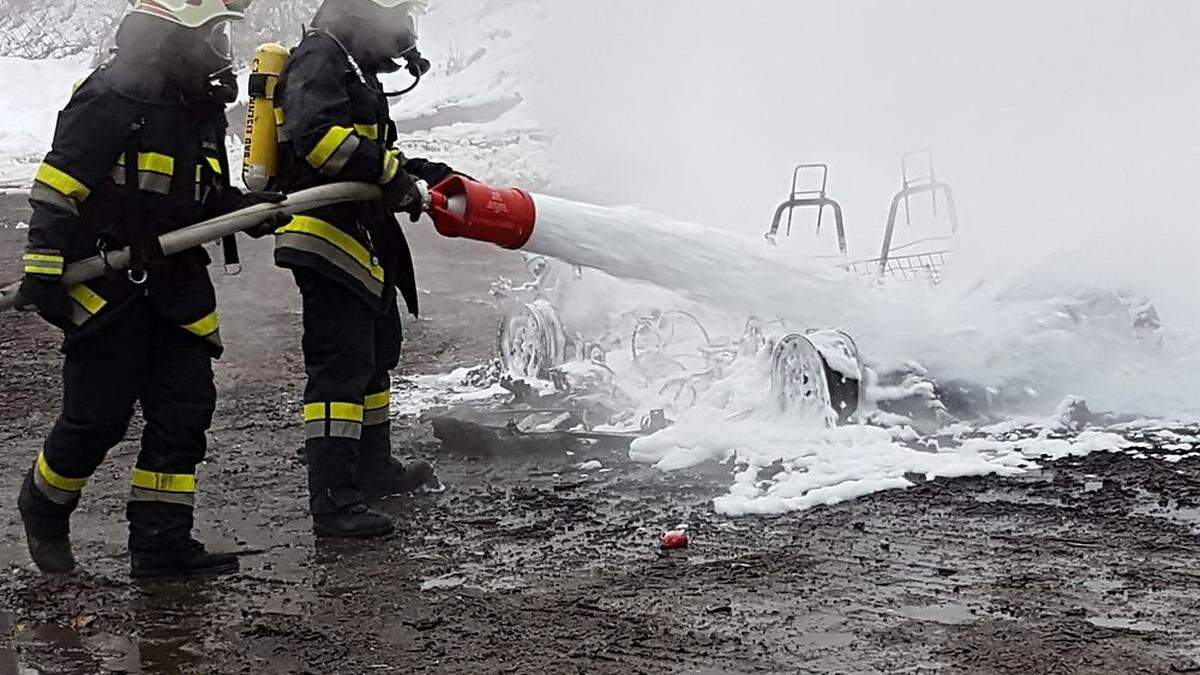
<point>350,260</point>
<point>139,151</point>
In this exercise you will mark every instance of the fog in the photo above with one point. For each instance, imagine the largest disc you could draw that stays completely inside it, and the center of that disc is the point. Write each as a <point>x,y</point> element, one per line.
<point>1067,128</point>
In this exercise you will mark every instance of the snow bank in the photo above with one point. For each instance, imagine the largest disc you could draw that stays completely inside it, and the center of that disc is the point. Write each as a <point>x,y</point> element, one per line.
<point>36,90</point>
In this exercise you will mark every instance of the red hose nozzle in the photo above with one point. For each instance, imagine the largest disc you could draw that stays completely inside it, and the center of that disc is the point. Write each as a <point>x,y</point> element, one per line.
<point>461,207</point>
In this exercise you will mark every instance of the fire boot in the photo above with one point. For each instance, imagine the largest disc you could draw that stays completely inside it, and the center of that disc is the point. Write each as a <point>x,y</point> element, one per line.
<point>380,475</point>
<point>47,529</point>
<point>355,521</point>
<point>187,560</point>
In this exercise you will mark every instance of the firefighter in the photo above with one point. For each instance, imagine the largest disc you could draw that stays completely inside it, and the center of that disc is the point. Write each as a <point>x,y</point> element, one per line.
<point>349,260</point>
<point>139,151</point>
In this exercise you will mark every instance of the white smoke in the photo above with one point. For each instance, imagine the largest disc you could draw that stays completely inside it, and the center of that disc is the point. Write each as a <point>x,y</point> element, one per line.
<point>1067,130</point>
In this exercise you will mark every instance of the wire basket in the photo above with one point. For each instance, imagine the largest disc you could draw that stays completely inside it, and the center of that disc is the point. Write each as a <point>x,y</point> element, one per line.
<point>925,267</point>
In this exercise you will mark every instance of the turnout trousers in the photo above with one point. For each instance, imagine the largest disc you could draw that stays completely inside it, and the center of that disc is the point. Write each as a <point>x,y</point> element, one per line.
<point>350,350</point>
<point>137,357</point>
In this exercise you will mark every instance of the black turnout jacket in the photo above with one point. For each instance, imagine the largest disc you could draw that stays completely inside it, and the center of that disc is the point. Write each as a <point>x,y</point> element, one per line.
<point>335,126</point>
<point>83,203</point>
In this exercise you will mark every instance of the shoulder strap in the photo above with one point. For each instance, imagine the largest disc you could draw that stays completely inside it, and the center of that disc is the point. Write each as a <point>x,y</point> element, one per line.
<point>320,32</point>
<point>145,249</point>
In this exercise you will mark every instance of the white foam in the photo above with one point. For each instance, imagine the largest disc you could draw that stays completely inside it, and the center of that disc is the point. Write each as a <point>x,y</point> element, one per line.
<point>783,468</point>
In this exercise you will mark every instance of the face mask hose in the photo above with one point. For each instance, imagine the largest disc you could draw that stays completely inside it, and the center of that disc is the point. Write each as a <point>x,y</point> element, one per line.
<point>417,67</point>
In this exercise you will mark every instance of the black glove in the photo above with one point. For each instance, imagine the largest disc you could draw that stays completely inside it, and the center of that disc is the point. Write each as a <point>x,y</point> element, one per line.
<point>276,222</point>
<point>255,198</point>
<point>47,295</point>
<point>430,172</point>
<point>231,199</point>
<point>401,195</point>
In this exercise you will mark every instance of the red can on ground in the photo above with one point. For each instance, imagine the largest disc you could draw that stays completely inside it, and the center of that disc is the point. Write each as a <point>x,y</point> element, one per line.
<point>675,539</point>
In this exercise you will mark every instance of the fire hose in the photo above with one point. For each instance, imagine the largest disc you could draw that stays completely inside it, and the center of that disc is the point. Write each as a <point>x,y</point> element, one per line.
<point>207,232</point>
<point>459,207</point>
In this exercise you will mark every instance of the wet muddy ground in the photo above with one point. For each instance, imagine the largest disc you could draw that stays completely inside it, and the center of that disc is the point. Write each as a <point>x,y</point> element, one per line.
<point>527,565</point>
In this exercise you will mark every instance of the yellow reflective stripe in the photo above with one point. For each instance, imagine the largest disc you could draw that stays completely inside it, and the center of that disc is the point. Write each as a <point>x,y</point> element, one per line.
<point>215,164</point>
<point>87,297</point>
<point>352,412</point>
<point>391,166</point>
<point>42,263</point>
<point>323,230</point>
<point>56,480</point>
<point>49,271</point>
<point>42,257</point>
<point>164,482</point>
<point>370,131</point>
<point>380,400</point>
<point>153,161</point>
<point>329,144</point>
<point>62,182</point>
<point>280,117</point>
<point>315,412</point>
<point>204,327</point>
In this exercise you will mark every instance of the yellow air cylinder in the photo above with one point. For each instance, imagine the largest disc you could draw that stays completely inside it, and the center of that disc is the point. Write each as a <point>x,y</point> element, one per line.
<point>261,166</point>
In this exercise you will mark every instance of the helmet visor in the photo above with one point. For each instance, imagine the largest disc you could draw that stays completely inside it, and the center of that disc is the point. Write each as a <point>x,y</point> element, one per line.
<point>220,41</point>
<point>408,34</point>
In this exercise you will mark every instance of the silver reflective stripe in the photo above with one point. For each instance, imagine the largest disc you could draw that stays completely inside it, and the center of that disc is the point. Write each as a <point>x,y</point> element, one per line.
<point>76,313</point>
<point>314,429</point>
<point>282,134</point>
<point>154,182</point>
<point>147,180</point>
<point>373,418</point>
<point>137,494</point>
<point>51,197</point>
<point>341,156</point>
<point>345,429</point>
<point>336,257</point>
<point>56,495</point>
<point>337,429</point>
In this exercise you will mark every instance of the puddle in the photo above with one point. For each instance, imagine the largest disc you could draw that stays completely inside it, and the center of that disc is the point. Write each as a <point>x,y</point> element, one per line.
<point>117,654</point>
<point>479,576</point>
<point>949,615</point>
<point>825,640</point>
<point>8,656</point>
<point>1125,624</point>
<point>1013,497</point>
<point>442,583</point>
<point>1103,586</point>
<point>1183,515</point>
